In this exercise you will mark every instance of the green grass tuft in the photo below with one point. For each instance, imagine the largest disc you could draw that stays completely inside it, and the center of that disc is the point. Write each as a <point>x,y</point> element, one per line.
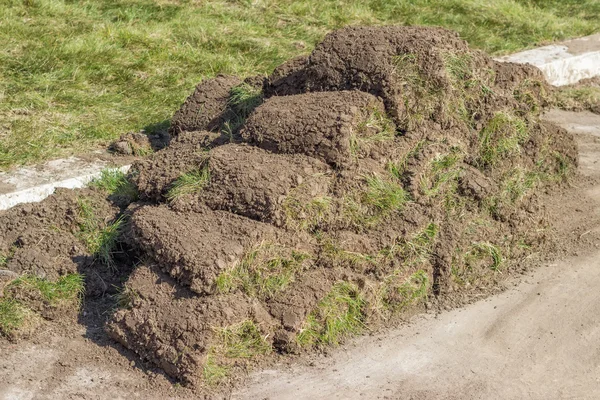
<point>564,168</point>
<point>531,93</point>
<point>115,182</point>
<point>306,215</point>
<point>415,250</point>
<point>242,341</point>
<point>518,183</point>
<point>338,255</point>
<point>379,198</point>
<point>214,373</point>
<point>502,137</point>
<point>398,169</point>
<point>515,185</point>
<point>189,183</point>
<point>440,172</point>
<point>478,263</point>
<point>67,288</point>
<point>264,271</point>
<point>4,258</point>
<point>126,296</point>
<point>400,292</point>
<point>377,127</point>
<point>458,67</point>
<point>487,250</point>
<point>380,123</point>
<point>12,316</point>
<point>244,98</point>
<point>339,315</point>
<point>418,95</point>
<point>100,240</point>
<point>385,195</point>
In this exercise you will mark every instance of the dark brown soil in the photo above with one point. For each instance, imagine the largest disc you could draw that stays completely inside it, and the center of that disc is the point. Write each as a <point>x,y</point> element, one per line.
<point>213,242</point>
<point>173,328</point>
<point>206,108</point>
<point>210,107</point>
<point>48,240</point>
<point>42,239</point>
<point>259,192</point>
<point>320,125</point>
<point>394,163</point>
<point>155,174</point>
<point>139,143</point>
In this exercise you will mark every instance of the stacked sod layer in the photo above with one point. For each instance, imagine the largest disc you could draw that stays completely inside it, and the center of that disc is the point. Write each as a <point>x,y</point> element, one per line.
<point>393,166</point>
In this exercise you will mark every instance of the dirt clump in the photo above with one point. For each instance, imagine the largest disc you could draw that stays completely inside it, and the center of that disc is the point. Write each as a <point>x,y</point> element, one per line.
<point>45,239</point>
<point>392,168</point>
<point>406,66</point>
<point>154,175</point>
<point>323,125</point>
<point>260,192</point>
<point>217,104</point>
<point>51,250</point>
<point>285,78</point>
<point>582,96</point>
<point>179,331</point>
<point>206,108</point>
<point>214,242</point>
<point>139,144</point>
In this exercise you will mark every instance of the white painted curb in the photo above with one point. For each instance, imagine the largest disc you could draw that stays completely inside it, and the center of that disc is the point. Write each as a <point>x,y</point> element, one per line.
<point>564,63</point>
<point>40,192</point>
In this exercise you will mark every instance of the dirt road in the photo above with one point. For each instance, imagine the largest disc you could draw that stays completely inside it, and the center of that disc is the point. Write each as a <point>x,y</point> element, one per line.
<point>538,340</point>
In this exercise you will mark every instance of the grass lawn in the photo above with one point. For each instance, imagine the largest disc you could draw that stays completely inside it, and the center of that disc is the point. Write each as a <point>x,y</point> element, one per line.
<point>76,74</point>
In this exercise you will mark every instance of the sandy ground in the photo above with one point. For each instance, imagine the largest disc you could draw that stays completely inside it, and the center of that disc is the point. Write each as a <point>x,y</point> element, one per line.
<point>538,340</point>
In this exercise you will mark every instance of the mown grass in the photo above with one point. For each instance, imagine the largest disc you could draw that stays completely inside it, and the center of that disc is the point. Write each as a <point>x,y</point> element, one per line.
<point>75,75</point>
